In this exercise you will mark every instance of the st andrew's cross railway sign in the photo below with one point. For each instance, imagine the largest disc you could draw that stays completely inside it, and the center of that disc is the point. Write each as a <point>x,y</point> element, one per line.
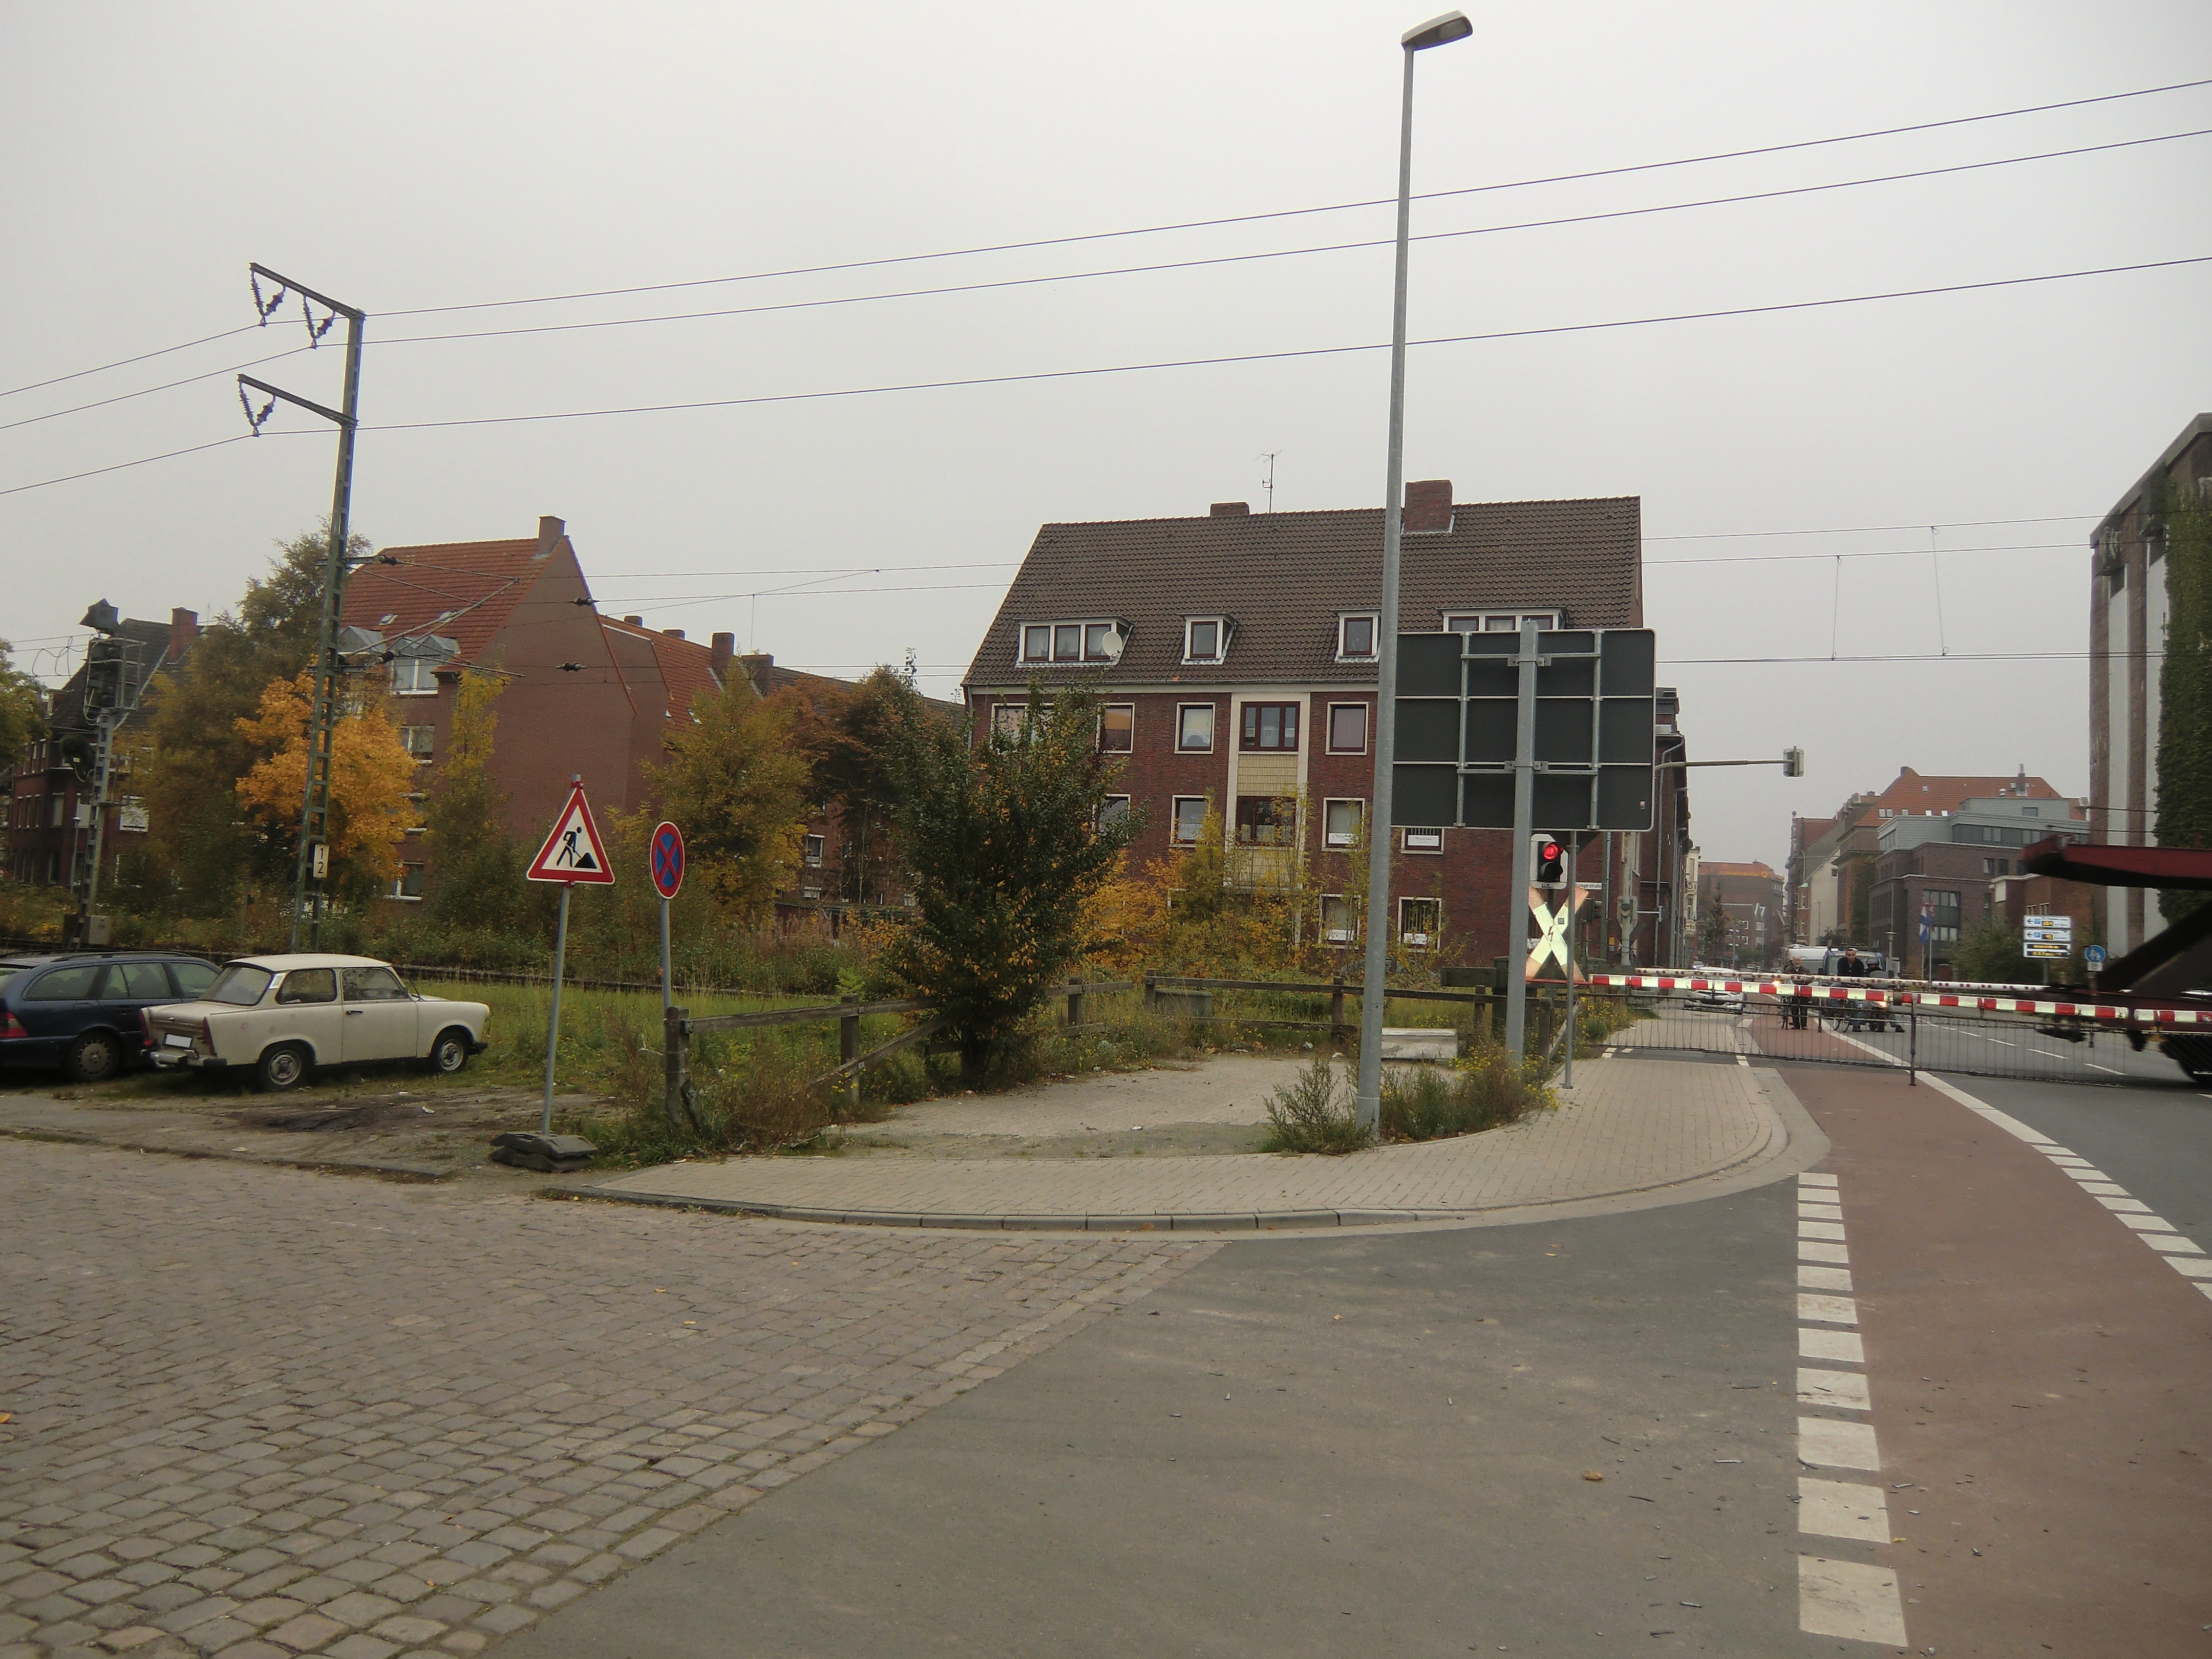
<point>667,859</point>
<point>1458,725</point>
<point>574,852</point>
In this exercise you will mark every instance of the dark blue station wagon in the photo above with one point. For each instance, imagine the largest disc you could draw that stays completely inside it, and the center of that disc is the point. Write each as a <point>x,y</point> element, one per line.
<point>80,1012</point>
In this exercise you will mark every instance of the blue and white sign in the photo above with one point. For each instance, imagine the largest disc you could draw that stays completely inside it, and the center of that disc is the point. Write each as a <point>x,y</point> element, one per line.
<point>2094,955</point>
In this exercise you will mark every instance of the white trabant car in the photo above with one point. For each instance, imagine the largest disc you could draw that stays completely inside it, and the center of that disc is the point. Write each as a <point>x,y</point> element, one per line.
<point>279,1017</point>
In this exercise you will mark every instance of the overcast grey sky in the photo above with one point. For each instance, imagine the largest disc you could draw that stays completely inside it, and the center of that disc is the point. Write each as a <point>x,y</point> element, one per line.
<point>405,156</point>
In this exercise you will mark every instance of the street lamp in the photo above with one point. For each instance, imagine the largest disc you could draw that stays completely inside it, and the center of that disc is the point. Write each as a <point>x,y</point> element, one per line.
<point>1437,31</point>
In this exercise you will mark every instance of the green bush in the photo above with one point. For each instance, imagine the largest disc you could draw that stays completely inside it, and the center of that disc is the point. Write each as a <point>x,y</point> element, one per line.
<point>1482,1091</point>
<point>1315,1114</point>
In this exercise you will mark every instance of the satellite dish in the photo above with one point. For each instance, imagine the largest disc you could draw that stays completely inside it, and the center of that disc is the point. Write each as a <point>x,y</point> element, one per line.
<point>1114,641</point>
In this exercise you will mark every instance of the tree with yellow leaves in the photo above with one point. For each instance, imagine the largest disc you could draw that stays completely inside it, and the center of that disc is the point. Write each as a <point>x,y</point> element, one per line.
<point>371,776</point>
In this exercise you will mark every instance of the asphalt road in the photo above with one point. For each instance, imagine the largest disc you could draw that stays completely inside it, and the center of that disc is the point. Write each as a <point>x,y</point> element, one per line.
<point>1367,1445</point>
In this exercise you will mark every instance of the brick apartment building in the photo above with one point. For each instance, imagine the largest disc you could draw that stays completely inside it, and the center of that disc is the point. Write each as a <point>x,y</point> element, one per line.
<point>1935,880</point>
<point>1234,656</point>
<point>1830,880</point>
<point>2127,633</point>
<point>584,694</point>
<point>49,784</point>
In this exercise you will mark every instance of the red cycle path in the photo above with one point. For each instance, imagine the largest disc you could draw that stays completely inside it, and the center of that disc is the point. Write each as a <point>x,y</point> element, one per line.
<point>2041,1377</point>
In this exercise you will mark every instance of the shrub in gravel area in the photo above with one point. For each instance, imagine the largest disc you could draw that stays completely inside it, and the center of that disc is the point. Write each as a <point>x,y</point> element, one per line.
<point>1482,1091</point>
<point>1314,1114</point>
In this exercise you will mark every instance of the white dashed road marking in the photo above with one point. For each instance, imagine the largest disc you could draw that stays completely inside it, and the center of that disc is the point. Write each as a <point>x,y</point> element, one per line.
<point>1856,1600</point>
<point>2179,1253</point>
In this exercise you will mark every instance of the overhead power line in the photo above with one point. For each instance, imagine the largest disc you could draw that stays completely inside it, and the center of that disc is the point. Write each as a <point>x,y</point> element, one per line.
<point>1042,375</point>
<point>998,284</point>
<point>1296,213</point>
<point>124,363</point>
<point>1189,224</point>
<point>1281,356</point>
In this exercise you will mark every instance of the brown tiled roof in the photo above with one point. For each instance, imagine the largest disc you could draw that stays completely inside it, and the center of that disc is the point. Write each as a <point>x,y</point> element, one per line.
<point>1918,793</point>
<point>686,667</point>
<point>1720,868</point>
<point>1284,578</point>
<point>459,590</point>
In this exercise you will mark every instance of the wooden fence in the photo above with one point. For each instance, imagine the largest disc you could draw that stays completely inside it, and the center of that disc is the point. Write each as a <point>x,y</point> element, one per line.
<point>1165,996</point>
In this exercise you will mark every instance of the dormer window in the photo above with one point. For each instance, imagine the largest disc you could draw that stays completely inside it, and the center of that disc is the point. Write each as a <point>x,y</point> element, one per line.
<point>1355,639</point>
<point>1078,641</point>
<point>1205,639</point>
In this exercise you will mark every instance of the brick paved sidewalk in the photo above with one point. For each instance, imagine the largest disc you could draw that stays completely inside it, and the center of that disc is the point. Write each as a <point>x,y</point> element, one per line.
<point>263,1414</point>
<point>1629,1125</point>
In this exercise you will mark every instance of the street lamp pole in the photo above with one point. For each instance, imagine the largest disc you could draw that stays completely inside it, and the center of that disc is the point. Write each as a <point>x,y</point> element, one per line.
<point>1437,31</point>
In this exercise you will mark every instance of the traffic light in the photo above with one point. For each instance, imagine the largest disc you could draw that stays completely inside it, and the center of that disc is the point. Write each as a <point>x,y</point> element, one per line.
<point>1547,860</point>
<point>1793,762</point>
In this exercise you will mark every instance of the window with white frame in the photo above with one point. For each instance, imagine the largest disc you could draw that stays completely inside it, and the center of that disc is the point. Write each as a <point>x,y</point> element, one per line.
<point>415,676</point>
<point>1347,728</point>
<point>1205,639</point>
<point>1423,840</point>
<point>1117,728</point>
<point>1355,638</point>
<point>1112,811</point>
<point>812,850</point>
<point>1419,922</point>
<point>1013,721</point>
<point>1189,820</point>
<point>1496,622</point>
<point>1081,640</point>
<point>408,884</point>
<point>1194,728</point>
<point>1340,920</point>
<point>1340,821</point>
<point>419,741</point>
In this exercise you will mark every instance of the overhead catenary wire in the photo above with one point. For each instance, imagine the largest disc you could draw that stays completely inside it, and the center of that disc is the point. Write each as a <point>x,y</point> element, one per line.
<point>997,283</point>
<point>1157,268</point>
<point>1231,359</point>
<point>1218,220</point>
<point>1292,212</point>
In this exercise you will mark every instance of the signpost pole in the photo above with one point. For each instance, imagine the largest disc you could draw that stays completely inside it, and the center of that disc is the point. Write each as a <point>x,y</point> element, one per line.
<point>553,1022</point>
<point>1574,903</point>
<point>667,994</point>
<point>1524,813</point>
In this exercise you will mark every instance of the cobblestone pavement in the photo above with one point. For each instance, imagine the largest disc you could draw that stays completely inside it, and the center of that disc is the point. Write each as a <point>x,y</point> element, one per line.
<point>263,1413</point>
<point>1628,1125</point>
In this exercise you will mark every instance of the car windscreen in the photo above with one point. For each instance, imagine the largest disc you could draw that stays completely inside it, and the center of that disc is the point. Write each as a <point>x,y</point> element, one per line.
<point>241,984</point>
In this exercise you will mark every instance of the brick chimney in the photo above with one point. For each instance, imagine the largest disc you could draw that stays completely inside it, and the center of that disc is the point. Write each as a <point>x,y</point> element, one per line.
<point>184,628</point>
<point>550,532</point>
<point>718,654</point>
<point>673,633</point>
<point>1428,507</point>
<point>1230,510</point>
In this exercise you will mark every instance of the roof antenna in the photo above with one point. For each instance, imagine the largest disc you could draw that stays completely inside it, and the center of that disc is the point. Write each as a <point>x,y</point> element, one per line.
<point>1268,483</point>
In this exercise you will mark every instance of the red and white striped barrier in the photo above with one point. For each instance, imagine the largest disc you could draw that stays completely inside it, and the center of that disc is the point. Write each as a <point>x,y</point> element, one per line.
<point>1784,987</point>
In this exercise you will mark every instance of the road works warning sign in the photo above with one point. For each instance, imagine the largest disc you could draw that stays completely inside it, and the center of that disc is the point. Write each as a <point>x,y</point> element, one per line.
<point>574,851</point>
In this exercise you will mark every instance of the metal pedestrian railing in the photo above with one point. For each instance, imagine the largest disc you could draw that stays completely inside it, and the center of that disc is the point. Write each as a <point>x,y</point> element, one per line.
<point>1982,1030</point>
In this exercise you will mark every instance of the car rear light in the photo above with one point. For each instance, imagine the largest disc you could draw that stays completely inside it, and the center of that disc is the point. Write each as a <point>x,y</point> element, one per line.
<point>10,1026</point>
<point>146,1026</point>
